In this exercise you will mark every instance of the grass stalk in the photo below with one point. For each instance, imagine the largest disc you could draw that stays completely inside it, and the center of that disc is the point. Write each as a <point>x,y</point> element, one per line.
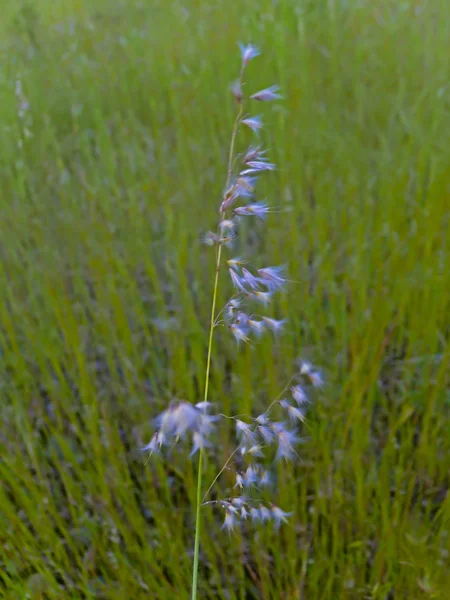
<point>208,362</point>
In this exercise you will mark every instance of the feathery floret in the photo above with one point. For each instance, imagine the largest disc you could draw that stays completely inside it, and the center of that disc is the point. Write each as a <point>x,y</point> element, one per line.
<point>268,94</point>
<point>248,52</point>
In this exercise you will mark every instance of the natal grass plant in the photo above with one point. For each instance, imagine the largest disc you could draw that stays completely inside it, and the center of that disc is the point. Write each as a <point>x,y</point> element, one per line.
<point>257,437</point>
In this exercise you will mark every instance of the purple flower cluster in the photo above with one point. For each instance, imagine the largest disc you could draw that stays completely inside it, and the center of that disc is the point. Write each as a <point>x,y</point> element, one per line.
<point>262,438</point>
<point>180,420</point>
<point>257,439</point>
<point>240,508</point>
<point>259,285</point>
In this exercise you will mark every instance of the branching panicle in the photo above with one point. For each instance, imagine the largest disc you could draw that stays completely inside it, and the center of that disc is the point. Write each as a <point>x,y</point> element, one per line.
<point>261,437</point>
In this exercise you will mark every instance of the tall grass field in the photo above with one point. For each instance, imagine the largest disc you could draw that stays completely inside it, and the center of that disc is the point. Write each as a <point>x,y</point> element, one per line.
<point>115,123</point>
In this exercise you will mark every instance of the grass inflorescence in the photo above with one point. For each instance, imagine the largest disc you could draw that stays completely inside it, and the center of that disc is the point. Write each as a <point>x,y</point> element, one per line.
<point>183,419</point>
<point>113,137</point>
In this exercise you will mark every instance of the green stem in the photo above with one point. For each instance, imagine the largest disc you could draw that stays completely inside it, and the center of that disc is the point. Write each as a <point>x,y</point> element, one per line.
<point>208,363</point>
<point>197,528</point>
<point>200,457</point>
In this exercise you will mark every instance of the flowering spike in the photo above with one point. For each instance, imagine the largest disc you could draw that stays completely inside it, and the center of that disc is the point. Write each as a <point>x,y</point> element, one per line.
<point>316,379</point>
<point>268,94</point>
<point>273,324</point>
<point>203,406</point>
<point>279,515</point>
<point>253,153</point>
<point>295,413</point>
<point>250,279</point>
<point>306,368</point>
<point>241,320</point>
<point>232,307</point>
<point>286,440</point>
<point>255,450</point>
<point>255,514</point>
<point>199,443</point>
<point>239,334</point>
<point>248,52</point>
<point>226,224</point>
<point>258,209</point>
<point>254,166</point>
<point>210,239</point>
<point>244,431</point>
<point>266,433</point>
<point>265,479</point>
<point>245,186</point>
<point>238,501</point>
<point>230,520</point>
<point>254,123</point>
<point>263,297</point>
<point>299,395</point>
<point>154,446</point>
<point>257,327</point>
<point>237,281</point>
<point>244,513</point>
<point>239,481</point>
<point>265,513</point>
<point>235,262</point>
<point>236,89</point>
<point>262,419</point>
<point>251,476</point>
<point>273,277</point>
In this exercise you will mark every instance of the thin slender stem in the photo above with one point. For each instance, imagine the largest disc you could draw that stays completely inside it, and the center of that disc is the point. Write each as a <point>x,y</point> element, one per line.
<point>197,527</point>
<point>200,458</point>
<point>219,473</point>
<point>233,139</point>
<point>208,364</point>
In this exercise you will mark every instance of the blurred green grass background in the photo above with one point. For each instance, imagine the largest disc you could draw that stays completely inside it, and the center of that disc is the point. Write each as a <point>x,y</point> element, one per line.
<point>108,183</point>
